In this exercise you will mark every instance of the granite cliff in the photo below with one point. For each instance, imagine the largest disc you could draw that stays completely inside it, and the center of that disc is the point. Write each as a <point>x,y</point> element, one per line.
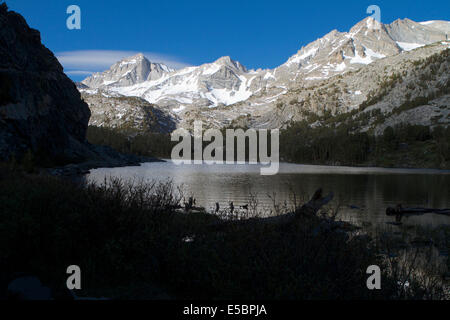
<point>40,107</point>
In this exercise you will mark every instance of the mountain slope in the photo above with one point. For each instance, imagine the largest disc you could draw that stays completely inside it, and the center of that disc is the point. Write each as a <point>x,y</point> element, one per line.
<point>383,92</point>
<point>126,113</point>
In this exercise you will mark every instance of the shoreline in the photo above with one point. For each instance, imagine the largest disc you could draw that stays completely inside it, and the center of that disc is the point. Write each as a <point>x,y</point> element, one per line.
<point>319,168</point>
<point>85,167</point>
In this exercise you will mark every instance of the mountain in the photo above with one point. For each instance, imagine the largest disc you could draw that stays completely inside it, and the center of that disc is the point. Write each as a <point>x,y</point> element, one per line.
<point>413,87</point>
<point>225,92</point>
<point>221,82</point>
<point>127,72</point>
<point>367,41</point>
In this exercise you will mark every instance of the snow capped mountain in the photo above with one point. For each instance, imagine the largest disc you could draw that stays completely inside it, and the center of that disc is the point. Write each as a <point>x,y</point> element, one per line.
<point>129,71</point>
<point>222,82</point>
<point>225,82</point>
<point>365,43</point>
<point>393,82</point>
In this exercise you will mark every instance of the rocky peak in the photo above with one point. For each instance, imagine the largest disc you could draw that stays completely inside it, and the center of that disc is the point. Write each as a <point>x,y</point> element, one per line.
<point>139,56</point>
<point>129,71</point>
<point>366,25</point>
<point>132,62</point>
<point>228,62</point>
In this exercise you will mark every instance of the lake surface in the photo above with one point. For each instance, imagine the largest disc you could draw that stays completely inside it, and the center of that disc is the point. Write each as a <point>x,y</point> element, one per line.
<point>365,193</point>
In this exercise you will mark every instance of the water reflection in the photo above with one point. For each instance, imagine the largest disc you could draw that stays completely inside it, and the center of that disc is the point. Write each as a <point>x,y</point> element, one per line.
<point>364,192</point>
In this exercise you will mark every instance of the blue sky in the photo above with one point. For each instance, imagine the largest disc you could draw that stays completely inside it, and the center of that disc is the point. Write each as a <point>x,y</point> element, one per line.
<point>259,34</point>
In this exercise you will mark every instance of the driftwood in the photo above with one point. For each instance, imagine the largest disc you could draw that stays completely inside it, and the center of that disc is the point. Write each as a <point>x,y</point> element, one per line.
<point>399,212</point>
<point>315,204</point>
<point>308,209</point>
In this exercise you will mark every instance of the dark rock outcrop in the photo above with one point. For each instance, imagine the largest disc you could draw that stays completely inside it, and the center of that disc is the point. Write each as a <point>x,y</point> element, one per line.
<point>40,107</point>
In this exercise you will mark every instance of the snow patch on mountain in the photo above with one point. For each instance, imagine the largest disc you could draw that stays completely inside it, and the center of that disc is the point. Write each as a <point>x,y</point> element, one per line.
<point>298,58</point>
<point>409,46</point>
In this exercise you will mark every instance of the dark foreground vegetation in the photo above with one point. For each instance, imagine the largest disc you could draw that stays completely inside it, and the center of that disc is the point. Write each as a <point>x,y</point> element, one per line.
<point>131,242</point>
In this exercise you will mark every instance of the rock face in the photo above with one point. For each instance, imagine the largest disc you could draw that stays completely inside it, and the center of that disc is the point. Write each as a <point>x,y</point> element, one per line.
<point>40,107</point>
<point>129,114</point>
<point>408,31</point>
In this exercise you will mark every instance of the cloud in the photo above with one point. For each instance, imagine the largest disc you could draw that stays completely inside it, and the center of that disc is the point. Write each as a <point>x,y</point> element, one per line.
<point>79,73</point>
<point>78,62</point>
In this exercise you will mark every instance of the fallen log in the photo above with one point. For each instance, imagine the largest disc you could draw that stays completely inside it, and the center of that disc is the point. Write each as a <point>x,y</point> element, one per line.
<point>399,212</point>
<point>309,209</point>
<point>315,204</point>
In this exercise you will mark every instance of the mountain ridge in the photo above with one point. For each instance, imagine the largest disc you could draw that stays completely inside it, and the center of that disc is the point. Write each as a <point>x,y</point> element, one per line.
<point>214,87</point>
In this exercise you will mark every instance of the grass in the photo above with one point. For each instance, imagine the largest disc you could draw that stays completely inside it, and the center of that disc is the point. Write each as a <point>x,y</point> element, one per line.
<point>130,242</point>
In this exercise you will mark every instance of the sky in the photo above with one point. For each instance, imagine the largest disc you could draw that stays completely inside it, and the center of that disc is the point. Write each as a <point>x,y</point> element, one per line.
<point>257,33</point>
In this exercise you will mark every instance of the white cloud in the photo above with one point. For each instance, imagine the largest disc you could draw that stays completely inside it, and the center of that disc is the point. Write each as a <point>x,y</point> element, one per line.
<point>78,62</point>
<point>79,73</point>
